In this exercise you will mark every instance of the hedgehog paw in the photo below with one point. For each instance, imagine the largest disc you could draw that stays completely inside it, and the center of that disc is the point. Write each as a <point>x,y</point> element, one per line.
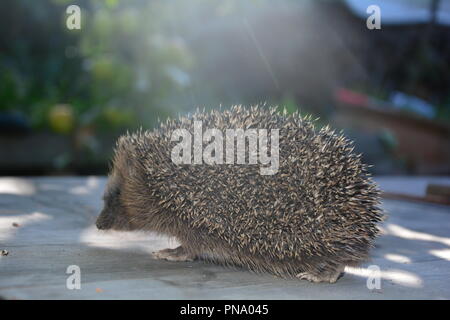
<point>177,254</point>
<point>330,277</point>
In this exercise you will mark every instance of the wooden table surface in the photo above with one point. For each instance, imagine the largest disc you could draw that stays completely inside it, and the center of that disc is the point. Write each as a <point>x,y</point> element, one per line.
<point>46,225</point>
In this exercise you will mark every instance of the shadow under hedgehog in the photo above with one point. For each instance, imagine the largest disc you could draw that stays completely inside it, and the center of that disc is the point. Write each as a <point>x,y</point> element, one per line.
<point>316,215</point>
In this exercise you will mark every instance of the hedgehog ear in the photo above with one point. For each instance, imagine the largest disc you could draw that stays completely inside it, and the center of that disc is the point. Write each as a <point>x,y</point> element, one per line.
<point>126,155</point>
<point>131,167</point>
<point>124,163</point>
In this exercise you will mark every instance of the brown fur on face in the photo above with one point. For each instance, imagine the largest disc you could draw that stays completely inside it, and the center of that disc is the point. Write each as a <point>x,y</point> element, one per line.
<point>115,214</point>
<point>128,202</point>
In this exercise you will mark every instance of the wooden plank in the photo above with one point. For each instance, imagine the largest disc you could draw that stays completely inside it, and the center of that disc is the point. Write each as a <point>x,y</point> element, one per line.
<point>47,224</point>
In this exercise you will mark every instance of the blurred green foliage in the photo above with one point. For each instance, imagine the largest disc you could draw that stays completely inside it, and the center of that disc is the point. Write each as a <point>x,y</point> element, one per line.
<point>117,71</point>
<point>129,64</point>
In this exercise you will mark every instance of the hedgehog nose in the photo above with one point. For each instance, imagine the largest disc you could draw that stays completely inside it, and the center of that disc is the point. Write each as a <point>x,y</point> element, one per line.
<point>99,225</point>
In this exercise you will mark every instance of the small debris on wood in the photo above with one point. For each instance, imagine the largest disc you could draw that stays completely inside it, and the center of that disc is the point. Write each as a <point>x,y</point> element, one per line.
<point>4,252</point>
<point>15,224</point>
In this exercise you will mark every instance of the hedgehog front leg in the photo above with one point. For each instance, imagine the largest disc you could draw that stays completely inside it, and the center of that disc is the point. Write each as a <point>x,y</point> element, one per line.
<point>177,254</point>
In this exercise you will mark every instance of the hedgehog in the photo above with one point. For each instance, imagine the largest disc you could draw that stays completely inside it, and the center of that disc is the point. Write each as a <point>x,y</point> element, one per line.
<point>315,214</point>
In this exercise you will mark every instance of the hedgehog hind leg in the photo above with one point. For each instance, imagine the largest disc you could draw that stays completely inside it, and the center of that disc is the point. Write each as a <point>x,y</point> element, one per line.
<point>177,254</point>
<point>326,276</point>
<point>329,277</point>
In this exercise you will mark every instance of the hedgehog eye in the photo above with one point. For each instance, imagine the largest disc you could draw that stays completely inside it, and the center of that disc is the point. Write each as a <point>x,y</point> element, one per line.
<point>111,194</point>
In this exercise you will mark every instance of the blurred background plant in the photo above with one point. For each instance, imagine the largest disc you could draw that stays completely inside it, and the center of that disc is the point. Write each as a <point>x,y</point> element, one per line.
<point>118,68</point>
<point>65,95</point>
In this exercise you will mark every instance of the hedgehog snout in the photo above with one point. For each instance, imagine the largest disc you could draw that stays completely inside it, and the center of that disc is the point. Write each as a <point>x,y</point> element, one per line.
<point>102,223</point>
<point>99,225</point>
